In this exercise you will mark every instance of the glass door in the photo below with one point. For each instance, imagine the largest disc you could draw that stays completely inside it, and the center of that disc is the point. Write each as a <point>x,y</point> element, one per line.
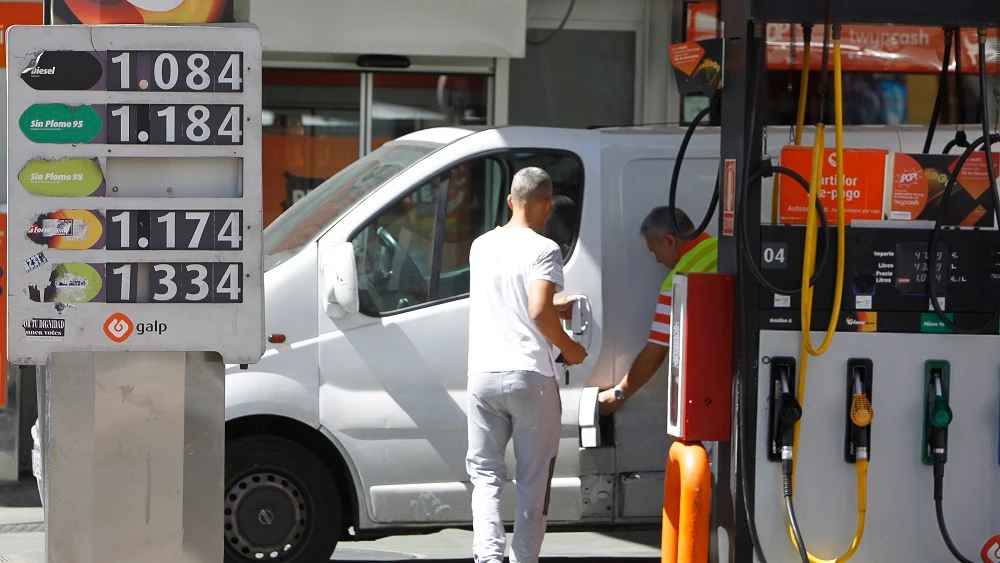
<point>317,122</point>
<point>402,103</point>
<point>311,127</point>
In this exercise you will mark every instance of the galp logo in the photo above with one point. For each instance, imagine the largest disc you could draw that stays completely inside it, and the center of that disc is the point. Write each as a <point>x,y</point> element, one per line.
<point>991,551</point>
<point>118,327</point>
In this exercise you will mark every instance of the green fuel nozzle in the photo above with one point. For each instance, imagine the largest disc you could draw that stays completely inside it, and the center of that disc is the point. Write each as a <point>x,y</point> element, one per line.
<point>939,417</point>
<point>940,412</point>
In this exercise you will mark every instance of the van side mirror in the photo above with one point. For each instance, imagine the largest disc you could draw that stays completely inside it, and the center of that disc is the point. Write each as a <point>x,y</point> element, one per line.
<point>340,280</point>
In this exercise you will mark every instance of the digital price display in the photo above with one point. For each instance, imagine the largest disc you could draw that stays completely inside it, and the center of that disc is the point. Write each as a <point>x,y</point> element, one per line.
<point>134,184</point>
<point>912,268</point>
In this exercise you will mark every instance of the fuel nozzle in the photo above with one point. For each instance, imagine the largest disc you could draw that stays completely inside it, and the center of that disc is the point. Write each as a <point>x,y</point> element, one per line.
<point>789,412</point>
<point>939,416</point>
<point>859,410</point>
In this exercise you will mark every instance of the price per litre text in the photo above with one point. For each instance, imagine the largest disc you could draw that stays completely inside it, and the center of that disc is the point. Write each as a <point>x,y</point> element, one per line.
<point>175,230</point>
<point>151,124</point>
<point>209,282</point>
<point>175,71</point>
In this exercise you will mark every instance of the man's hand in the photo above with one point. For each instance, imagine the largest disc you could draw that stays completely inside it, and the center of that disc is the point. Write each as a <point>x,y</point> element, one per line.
<point>607,403</point>
<point>573,354</point>
<point>564,306</point>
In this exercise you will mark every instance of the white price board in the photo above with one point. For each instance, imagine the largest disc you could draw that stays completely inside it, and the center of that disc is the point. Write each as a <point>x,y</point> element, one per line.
<point>134,190</point>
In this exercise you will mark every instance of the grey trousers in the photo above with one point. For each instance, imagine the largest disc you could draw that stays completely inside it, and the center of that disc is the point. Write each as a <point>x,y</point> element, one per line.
<point>524,406</point>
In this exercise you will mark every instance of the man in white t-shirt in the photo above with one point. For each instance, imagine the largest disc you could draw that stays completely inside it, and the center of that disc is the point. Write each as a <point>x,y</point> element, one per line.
<point>512,391</point>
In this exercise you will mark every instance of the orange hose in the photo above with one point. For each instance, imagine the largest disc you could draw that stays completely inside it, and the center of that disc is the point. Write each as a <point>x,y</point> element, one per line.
<point>687,504</point>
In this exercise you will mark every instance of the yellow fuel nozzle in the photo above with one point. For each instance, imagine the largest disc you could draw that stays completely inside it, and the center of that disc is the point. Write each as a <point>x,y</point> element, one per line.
<point>862,412</point>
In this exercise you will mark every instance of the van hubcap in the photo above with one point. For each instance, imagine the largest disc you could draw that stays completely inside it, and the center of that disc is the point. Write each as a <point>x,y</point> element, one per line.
<point>265,516</point>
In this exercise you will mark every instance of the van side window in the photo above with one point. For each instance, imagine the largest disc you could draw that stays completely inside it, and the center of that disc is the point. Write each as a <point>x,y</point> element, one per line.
<point>417,250</point>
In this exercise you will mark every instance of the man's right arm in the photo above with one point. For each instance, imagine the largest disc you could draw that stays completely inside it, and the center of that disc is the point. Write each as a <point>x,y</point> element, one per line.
<point>649,359</point>
<point>546,317</point>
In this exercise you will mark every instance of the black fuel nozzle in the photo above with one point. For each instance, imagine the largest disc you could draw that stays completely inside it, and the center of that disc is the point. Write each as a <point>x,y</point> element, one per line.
<point>789,413</point>
<point>766,168</point>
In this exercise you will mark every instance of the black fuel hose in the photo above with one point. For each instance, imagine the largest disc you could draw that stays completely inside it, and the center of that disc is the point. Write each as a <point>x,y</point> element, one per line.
<point>942,88</point>
<point>987,140</point>
<point>786,481</point>
<point>744,365</point>
<point>713,106</point>
<point>766,171</point>
<point>939,509</point>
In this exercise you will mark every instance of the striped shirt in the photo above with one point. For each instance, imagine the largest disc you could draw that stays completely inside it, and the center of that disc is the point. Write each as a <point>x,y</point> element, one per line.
<point>700,256</point>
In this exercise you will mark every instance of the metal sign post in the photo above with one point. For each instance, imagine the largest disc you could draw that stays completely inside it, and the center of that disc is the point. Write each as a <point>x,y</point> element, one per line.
<point>135,272</point>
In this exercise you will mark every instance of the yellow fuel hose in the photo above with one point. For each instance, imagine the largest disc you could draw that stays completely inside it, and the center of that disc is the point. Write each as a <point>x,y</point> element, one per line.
<point>800,118</point>
<point>808,267</point>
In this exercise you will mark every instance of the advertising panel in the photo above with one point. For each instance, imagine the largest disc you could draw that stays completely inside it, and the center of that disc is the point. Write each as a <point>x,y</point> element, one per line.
<point>865,48</point>
<point>93,12</point>
<point>864,184</point>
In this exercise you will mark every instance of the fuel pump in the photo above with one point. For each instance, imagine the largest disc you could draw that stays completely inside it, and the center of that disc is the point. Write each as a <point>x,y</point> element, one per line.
<point>900,293</point>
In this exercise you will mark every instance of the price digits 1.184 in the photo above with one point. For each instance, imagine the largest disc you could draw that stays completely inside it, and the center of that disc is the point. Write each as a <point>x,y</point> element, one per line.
<point>175,71</point>
<point>175,124</point>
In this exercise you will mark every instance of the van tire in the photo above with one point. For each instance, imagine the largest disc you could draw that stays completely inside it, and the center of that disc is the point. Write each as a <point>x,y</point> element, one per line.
<point>281,502</point>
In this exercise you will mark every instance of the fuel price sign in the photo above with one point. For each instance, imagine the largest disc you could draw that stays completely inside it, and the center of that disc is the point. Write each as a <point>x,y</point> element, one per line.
<point>134,190</point>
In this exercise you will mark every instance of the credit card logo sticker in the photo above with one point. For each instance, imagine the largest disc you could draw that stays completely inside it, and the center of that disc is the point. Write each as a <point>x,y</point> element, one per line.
<point>61,124</point>
<point>118,327</point>
<point>66,177</point>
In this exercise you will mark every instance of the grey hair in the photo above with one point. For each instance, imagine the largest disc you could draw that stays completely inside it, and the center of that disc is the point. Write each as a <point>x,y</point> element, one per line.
<point>530,184</point>
<point>658,223</point>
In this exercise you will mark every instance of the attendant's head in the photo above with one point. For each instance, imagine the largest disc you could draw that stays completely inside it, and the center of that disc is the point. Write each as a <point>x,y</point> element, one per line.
<point>660,235</point>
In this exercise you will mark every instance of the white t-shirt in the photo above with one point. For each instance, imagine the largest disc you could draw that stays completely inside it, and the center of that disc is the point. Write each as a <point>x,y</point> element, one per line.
<point>502,335</point>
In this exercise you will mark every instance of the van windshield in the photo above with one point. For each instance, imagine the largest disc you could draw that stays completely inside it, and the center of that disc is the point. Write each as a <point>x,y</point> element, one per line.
<point>309,217</point>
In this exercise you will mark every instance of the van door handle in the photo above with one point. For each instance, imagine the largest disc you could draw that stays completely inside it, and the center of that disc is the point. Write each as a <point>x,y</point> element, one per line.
<point>580,323</point>
<point>589,418</point>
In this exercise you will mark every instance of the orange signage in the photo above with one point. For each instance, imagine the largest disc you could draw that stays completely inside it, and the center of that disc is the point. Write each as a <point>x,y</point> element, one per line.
<point>864,182</point>
<point>16,13</point>
<point>918,182</point>
<point>864,48</point>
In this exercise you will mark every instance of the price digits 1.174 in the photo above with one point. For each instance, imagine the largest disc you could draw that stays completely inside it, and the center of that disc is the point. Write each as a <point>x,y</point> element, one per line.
<point>171,229</point>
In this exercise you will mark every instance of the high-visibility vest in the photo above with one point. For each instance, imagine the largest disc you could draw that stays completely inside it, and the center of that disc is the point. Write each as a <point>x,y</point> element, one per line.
<point>702,259</point>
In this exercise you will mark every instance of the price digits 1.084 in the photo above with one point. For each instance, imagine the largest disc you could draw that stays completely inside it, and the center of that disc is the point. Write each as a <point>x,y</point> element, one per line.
<point>175,71</point>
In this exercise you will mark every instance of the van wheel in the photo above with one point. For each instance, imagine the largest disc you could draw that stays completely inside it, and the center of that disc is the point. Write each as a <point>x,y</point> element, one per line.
<point>281,504</point>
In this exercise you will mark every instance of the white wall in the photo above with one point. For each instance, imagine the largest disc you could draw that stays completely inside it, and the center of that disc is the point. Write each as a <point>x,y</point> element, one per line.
<point>471,28</point>
<point>656,100</point>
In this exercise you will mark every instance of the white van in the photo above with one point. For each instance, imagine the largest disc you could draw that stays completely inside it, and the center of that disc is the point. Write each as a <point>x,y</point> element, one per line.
<point>353,423</point>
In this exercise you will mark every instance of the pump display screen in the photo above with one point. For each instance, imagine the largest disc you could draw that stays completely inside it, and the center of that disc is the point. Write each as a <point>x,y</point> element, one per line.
<point>913,266</point>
